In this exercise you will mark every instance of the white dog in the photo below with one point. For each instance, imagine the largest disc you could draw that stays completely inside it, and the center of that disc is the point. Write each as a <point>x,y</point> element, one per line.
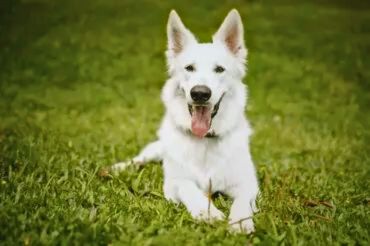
<point>204,136</point>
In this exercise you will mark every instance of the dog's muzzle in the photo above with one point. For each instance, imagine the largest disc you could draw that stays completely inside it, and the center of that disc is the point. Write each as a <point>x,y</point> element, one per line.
<point>191,107</point>
<point>201,117</point>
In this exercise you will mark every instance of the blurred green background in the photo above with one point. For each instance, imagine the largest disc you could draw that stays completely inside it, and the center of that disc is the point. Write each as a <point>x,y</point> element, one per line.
<point>79,89</point>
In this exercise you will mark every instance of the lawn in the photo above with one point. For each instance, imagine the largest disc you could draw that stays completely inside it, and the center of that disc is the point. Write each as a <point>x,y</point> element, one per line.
<point>79,90</point>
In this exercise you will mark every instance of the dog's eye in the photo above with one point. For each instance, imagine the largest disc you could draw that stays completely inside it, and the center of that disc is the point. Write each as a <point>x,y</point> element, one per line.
<point>219,69</point>
<point>190,68</point>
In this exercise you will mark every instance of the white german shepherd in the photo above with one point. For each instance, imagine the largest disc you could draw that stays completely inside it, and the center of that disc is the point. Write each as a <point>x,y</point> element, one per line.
<point>204,136</point>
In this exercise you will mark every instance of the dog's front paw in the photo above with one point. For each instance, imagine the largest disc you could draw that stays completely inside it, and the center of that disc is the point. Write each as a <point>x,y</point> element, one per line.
<point>244,225</point>
<point>209,215</point>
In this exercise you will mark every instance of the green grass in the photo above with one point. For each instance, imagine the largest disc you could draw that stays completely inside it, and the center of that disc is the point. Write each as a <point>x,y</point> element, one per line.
<point>79,89</point>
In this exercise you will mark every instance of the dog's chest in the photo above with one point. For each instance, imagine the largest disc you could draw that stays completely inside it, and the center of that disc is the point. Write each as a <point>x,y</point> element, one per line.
<point>205,162</point>
<point>209,171</point>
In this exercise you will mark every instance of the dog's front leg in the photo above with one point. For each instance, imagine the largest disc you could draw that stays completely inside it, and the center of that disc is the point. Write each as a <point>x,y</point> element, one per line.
<point>198,204</point>
<point>242,210</point>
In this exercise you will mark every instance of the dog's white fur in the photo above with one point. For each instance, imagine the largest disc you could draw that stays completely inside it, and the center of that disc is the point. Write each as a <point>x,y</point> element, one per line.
<point>194,166</point>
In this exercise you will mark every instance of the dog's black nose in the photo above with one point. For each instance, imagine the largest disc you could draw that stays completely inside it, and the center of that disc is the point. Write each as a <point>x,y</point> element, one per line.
<point>200,93</point>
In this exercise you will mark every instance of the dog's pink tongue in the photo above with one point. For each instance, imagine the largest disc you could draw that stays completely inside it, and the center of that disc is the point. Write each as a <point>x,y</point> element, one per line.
<point>200,121</point>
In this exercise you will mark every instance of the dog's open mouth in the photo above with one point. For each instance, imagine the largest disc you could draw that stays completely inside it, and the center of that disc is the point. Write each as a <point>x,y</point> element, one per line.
<point>201,117</point>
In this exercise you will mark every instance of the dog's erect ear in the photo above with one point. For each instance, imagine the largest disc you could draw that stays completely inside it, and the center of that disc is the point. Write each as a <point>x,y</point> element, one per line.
<point>178,35</point>
<point>231,32</point>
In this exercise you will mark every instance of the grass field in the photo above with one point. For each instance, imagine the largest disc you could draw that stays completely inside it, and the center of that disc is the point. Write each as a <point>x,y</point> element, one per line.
<point>79,89</point>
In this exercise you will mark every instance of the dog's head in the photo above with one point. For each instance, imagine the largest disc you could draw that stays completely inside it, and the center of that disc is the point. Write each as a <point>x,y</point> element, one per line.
<point>204,73</point>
